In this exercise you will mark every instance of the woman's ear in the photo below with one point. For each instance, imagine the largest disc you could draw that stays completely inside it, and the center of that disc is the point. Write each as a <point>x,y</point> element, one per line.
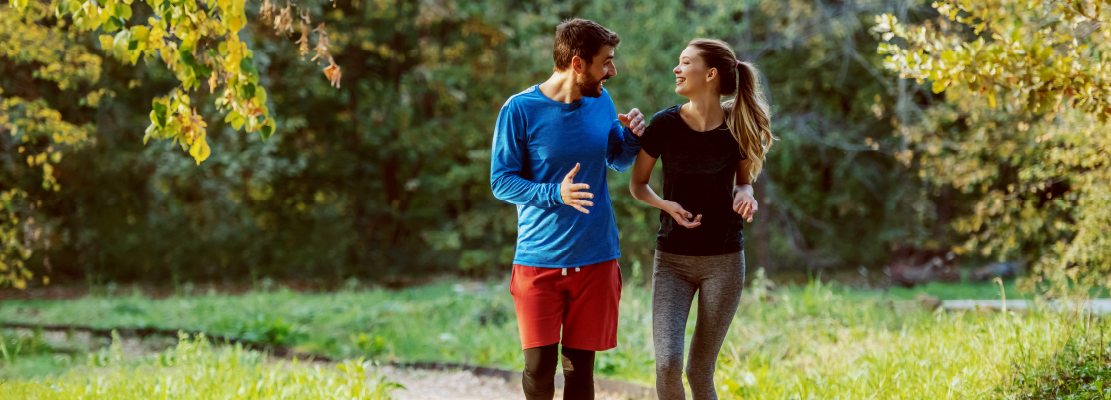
<point>712,74</point>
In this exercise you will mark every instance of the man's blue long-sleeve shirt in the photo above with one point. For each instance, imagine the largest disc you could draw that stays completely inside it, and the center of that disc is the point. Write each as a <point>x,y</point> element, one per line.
<point>537,141</point>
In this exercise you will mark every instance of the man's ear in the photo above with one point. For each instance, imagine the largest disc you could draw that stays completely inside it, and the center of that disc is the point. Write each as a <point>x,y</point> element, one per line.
<point>578,65</point>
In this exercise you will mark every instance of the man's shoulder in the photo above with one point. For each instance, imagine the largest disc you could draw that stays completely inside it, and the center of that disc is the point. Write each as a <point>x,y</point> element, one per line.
<point>523,98</point>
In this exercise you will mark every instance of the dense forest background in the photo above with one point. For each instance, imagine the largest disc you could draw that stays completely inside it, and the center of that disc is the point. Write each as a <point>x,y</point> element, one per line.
<point>388,174</point>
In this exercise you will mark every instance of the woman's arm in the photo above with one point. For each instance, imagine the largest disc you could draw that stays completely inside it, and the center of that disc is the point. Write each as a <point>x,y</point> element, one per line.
<point>744,199</point>
<point>638,186</point>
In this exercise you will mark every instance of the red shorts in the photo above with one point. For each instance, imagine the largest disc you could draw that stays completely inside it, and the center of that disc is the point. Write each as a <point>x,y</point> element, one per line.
<point>583,302</point>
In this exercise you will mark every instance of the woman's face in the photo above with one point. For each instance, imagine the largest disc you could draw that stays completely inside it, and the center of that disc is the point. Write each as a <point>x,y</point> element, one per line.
<point>693,75</point>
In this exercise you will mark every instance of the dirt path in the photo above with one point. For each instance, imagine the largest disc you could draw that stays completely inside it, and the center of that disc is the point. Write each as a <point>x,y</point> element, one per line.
<point>459,385</point>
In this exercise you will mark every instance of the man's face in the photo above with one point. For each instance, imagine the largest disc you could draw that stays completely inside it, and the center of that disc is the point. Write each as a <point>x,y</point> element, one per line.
<point>596,72</point>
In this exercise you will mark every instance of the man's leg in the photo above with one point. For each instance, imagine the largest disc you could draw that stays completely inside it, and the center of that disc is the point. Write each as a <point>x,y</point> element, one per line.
<point>540,305</point>
<point>590,325</point>
<point>538,379</point>
<point>578,374</point>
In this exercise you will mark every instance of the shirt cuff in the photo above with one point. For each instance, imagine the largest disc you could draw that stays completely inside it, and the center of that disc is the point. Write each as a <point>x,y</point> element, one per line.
<point>555,193</point>
<point>629,137</point>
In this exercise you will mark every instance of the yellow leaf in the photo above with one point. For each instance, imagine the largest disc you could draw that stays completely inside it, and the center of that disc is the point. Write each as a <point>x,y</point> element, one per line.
<point>200,150</point>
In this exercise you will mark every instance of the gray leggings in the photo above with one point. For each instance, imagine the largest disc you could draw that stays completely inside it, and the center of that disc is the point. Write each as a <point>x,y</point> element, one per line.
<point>718,281</point>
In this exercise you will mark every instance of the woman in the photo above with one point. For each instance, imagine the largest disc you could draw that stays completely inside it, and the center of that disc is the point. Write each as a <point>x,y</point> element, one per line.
<point>712,152</point>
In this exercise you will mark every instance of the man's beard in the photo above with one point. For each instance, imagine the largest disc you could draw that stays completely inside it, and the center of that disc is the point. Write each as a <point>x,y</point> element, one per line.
<point>591,88</point>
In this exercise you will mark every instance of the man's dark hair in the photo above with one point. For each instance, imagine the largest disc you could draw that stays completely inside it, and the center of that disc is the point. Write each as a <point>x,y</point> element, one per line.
<point>580,37</point>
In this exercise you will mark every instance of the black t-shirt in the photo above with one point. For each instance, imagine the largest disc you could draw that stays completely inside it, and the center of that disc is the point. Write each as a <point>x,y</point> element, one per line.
<point>698,174</point>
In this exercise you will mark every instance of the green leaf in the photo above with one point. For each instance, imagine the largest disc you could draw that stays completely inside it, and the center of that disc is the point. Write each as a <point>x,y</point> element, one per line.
<point>267,130</point>
<point>123,11</point>
<point>121,40</point>
<point>260,95</point>
<point>236,120</point>
<point>187,58</point>
<point>202,70</point>
<point>247,66</point>
<point>159,114</point>
<point>111,25</point>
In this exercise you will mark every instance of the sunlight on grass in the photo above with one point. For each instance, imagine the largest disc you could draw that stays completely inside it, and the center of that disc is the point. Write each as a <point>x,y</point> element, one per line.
<point>194,370</point>
<point>820,345</point>
<point>818,341</point>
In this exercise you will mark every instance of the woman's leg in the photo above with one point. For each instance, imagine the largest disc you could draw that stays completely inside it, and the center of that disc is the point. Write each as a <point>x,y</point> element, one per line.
<point>538,379</point>
<point>718,297</point>
<point>578,374</point>
<point>672,295</point>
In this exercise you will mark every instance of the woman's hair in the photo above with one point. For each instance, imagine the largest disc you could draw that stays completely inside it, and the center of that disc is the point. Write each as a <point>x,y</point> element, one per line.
<point>746,114</point>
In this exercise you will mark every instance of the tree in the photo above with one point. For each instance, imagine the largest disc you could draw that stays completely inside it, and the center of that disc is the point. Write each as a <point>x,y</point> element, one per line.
<point>198,42</point>
<point>1023,132</point>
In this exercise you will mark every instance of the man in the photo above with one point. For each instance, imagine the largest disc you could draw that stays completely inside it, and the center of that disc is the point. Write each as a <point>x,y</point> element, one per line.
<point>552,144</point>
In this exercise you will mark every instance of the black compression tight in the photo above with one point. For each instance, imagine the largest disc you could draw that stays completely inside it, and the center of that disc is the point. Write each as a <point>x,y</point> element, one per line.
<point>539,375</point>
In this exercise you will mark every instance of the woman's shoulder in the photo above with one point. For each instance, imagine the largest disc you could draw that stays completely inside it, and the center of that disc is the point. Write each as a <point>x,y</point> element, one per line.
<point>667,114</point>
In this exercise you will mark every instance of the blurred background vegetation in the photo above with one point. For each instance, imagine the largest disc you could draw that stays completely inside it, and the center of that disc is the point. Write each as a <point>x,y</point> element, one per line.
<point>387,175</point>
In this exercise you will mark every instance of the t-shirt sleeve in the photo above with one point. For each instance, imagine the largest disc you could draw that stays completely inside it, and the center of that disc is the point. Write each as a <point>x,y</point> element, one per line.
<point>509,149</point>
<point>652,140</point>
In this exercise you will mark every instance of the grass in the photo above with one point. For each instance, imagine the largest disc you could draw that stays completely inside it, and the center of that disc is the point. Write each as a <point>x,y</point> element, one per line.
<point>1079,370</point>
<point>25,355</point>
<point>818,341</point>
<point>955,291</point>
<point>195,370</point>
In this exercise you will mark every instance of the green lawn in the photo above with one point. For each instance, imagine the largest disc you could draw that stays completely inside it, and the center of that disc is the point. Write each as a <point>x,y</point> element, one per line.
<point>195,370</point>
<point>815,341</point>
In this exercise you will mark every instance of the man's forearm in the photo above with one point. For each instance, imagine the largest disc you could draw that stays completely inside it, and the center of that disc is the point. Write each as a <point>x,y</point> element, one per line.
<point>624,156</point>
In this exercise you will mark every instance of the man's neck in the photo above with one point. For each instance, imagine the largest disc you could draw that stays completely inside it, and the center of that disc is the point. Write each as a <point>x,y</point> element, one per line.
<point>561,87</point>
<point>703,113</point>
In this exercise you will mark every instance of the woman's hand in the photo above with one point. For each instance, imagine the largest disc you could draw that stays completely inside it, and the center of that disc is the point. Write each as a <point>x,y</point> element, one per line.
<point>744,204</point>
<point>682,216</point>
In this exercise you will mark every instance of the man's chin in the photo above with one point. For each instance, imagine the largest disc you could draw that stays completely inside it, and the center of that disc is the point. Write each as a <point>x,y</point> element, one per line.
<point>592,92</point>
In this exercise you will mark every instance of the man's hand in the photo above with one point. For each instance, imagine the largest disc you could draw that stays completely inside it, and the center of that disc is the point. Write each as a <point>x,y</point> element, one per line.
<point>744,204</point>
<point>634,120</point>
<point>569,192</point>
<point>683,217</point>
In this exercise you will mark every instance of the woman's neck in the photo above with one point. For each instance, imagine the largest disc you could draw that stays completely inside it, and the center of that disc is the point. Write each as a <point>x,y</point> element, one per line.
<point>703,113</point>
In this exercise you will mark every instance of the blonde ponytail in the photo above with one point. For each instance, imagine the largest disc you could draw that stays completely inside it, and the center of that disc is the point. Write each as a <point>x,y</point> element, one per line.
<point>747,117</point>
